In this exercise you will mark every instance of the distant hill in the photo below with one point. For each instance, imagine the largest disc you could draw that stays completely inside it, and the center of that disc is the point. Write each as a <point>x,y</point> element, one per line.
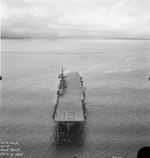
<point>95,34</point>
<point>13,37</point>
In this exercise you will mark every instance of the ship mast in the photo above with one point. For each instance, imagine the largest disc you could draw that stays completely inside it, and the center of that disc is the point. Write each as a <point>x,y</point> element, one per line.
<point>62,74</point>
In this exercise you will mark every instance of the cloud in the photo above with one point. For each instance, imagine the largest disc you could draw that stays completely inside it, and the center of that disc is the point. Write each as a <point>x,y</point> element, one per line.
<point>73,17</point>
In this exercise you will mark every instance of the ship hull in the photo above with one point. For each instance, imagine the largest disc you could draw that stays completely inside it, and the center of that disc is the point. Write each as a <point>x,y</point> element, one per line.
<point>68,124</point>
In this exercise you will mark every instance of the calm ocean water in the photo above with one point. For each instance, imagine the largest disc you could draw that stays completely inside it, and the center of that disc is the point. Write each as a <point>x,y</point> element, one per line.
<point>115,74</point>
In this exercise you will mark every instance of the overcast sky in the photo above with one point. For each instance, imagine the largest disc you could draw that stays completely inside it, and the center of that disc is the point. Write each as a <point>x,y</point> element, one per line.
<point>50,18</point>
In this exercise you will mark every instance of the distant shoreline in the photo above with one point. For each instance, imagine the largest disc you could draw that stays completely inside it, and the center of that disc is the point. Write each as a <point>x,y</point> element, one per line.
<point>30,38</point>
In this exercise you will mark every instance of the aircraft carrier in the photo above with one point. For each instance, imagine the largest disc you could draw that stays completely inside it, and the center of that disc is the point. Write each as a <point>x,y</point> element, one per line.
<point>70,105</point>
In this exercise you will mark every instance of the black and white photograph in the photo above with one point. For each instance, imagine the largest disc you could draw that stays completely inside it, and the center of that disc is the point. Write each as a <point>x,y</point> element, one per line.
<point>75,79</point>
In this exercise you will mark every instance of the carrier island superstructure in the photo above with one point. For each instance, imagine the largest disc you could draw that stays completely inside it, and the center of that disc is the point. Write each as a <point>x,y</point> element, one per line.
<point>70,105</point>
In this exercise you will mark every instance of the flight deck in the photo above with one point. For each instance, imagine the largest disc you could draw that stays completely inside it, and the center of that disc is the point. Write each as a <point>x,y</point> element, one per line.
<point>69,106</point>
